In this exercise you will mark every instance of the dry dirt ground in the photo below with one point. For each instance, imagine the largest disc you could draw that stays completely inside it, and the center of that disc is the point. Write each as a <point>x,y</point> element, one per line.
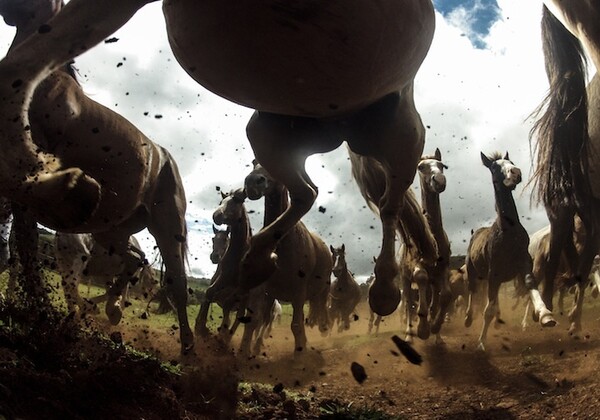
<point>534,374</point>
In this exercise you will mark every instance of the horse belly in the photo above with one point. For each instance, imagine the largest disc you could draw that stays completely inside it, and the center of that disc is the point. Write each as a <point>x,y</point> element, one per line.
<point>309,58</point>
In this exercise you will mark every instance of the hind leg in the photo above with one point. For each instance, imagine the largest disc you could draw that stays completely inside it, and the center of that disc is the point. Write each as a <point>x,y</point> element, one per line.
<point>392,133</point>
<point>168,227</point>
<point>281,145</point>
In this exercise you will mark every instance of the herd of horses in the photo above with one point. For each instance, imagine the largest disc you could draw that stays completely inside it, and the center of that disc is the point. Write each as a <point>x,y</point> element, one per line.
<point>333,71</point>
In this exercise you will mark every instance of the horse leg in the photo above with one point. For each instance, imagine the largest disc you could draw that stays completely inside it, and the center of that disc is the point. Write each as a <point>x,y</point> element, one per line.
<point>472,288</point>
<point>524,322</point>
<point>490,311</point>
<point>422,279</point>
<point>297,327</point>
<point>168,227</point>
<point>200,328</point>
<point>576,311</point>
<point>391,132</point>
<point>22,70</point>
<point>281,145</point>
<point>26,241</point>
<point>442,290</point>
<point>541,311</point>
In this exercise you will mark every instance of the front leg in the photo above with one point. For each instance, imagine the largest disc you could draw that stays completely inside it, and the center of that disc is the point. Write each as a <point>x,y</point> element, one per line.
<point>391,132</point>
<point>281,145</point>
<point>26,175</point>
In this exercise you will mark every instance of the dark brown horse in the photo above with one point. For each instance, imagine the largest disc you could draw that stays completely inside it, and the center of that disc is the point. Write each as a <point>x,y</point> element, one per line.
<point>568,136</point>
<point>304,264</point>
<point>344,292</point>
<point>307,68</point>
<point>124,181</point>
<point>499,253</point>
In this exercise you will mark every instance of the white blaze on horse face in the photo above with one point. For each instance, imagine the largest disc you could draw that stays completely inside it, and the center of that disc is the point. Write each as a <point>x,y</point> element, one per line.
<point>229,211</point>
<point>433,172</point>
<point>512,174</point>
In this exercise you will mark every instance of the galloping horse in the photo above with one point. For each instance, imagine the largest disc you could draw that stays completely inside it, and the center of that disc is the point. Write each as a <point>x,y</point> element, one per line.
<point>499,253</point>
<point>220,242</point>
<point>344,292</point>
<point>568,136</point>
<point>433,183</point>
<point>304,264</point>
<point>136,183</point>
<point>317,73</point>
<point>417,255</point>
<point>79,257</point>
<point>224,283</point>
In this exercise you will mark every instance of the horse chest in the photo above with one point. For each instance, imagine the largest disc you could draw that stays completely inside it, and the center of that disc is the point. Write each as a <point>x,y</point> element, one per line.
<point>309,58</point>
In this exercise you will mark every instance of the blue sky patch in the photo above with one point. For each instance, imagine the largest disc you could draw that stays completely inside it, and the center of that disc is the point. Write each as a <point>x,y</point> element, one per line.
<point>480,15</point>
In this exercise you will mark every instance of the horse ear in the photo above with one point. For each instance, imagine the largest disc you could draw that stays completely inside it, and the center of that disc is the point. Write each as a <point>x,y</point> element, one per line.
<point>240,194</point>
<point>254,162</point>
<point>223,195</point>
<point>506,156</point>
<point>343,248</point>
<point>487,162</point>
<point>375,259</point>
<point>331,248</point>
<point>438,154</point>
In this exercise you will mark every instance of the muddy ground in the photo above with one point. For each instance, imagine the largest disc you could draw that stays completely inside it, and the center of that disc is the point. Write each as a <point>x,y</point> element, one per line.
<point>54,372</point>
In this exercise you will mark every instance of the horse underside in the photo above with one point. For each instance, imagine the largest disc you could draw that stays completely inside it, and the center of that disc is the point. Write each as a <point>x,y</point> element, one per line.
<point>323,55</point>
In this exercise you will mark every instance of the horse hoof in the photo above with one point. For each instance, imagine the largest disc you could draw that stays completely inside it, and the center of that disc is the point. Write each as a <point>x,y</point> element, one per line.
<point>547,319</point>
<point>384,300</point>
<point>423,330</point>
<point>114,314</point>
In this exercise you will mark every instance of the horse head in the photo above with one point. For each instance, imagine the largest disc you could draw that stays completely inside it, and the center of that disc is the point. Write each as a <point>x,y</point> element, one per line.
<point>220,241</point>
<point>503,170</point>
<point>431,171</point>
<point>258,182</point>
<point>339,260</point>
<point>230,208</point>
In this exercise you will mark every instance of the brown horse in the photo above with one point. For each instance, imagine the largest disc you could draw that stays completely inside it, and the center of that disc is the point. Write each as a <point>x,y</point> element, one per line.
<point>220,242</point>
<point>225,281</point>
<point>308,70</point>
<point>304,264</point>
<point>344,294</point>
<point>568,136</point>
<point>136,182</point>
<point>499,253</point>
<point>433,183</point>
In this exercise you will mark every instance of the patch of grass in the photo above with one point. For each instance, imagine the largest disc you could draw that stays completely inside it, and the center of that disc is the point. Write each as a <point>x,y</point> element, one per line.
<point>335,410</point>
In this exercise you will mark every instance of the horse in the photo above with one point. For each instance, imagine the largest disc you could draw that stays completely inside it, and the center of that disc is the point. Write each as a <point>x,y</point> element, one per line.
<point>124,181</point>
<point>79,257</point>
<point>567,137</point>
<point>323,55</point>
<point>231,212</point>
<point>499,253</point>
<point>304,263</point>
<point>539,248</point>
<point>220,242</point>
<point>457,278</point>
<point>344,292</point>
<point>433,182</point>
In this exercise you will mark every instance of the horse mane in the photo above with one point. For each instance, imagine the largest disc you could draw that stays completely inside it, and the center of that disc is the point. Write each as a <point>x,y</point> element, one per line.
<point>494,156</point>
<point>560,180</point>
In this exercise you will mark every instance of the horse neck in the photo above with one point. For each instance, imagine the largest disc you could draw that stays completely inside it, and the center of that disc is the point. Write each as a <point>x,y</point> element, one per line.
<point>276,202</point>
<point>506,208</point>
<point>239,239</point>
<point>432,209</point>
<point>345,276</point>
<point>415,228</point>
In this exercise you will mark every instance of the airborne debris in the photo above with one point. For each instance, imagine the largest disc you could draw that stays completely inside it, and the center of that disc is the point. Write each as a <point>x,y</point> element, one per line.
<point>322,209</point>
<point>407,351</point>
<point>111,40</point>
<point>358,371</point>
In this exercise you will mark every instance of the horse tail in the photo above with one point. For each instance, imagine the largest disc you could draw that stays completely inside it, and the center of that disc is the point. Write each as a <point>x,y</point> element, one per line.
<point>560,179</point>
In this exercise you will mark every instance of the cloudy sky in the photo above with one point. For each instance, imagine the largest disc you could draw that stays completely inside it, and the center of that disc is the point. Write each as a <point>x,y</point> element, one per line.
<point>482,78</point>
